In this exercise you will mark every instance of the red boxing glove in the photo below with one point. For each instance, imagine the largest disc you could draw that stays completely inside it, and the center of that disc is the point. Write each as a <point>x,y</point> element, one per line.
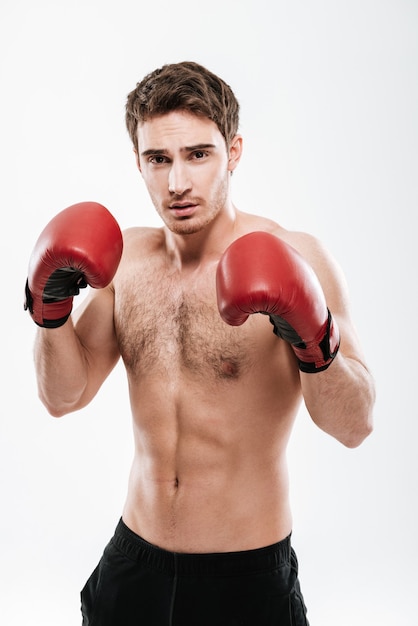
<point>260,273</point>
<point>80,246</point>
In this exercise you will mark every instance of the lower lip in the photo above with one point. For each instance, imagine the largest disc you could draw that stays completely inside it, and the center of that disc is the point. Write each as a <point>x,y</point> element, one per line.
<point>184,212</point>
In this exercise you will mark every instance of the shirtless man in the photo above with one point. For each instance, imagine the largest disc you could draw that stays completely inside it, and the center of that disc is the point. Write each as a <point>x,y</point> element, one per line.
<point>215,387</point>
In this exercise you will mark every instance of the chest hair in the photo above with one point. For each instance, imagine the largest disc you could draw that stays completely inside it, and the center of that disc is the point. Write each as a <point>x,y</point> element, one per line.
<point>161,324</point>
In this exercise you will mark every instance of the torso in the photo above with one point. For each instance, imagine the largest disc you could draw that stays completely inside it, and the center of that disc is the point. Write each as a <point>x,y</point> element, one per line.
<point>213,407</point>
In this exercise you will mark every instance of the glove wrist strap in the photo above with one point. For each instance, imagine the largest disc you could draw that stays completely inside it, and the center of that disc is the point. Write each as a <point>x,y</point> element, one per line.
<point>314,356</point>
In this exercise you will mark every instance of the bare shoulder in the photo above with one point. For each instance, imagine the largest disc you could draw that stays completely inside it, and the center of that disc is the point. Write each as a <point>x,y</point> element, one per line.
<point>142,238</point>
<point>309,246</point>
<point>141,245</point>
<point>315,252</point>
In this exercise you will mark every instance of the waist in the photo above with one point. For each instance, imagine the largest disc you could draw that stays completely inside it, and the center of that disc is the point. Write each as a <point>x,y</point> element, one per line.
<point>218,511</point>
<point>262,559</point>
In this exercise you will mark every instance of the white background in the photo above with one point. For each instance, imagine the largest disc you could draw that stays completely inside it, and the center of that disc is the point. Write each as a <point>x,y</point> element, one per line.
<point>329,99</point>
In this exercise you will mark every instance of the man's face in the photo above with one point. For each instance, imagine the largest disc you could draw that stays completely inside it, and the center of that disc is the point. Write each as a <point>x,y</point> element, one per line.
<point>186,167</point>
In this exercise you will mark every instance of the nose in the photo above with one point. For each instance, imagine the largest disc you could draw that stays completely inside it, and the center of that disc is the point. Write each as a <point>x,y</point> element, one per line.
<point>178,179</point>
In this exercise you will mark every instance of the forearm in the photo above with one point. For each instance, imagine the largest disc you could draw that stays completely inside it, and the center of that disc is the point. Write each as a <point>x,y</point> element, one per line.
<point>61,369</point>
<point>340,400</point>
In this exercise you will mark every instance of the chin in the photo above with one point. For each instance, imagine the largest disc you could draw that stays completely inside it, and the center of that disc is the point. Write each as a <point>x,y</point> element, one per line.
<point>187,226</point>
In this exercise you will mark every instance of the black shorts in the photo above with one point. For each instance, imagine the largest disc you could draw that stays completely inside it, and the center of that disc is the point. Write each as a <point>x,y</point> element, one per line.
<point>138,584</point>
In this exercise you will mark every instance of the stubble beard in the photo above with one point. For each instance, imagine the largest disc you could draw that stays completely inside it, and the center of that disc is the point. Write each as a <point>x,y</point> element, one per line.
<point>195,224</point>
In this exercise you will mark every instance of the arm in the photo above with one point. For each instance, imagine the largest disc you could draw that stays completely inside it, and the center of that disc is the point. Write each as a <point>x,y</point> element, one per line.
<point>261,273</point>
<point>80,246</point>
<point>72,361</point>
<point>340,400</point>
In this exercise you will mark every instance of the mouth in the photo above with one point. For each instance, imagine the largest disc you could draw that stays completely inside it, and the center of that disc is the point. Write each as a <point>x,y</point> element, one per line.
<point>183,209</point>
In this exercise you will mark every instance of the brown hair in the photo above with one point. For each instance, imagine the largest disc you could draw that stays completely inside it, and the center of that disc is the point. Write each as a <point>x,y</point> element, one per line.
<point>185,86</point>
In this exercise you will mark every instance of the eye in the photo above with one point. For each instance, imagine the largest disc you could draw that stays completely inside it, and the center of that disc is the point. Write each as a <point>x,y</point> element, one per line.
<point>200,154</point>
<point>158,159</point>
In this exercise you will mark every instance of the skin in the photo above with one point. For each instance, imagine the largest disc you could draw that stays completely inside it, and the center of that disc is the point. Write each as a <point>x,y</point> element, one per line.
<point>212,405</point>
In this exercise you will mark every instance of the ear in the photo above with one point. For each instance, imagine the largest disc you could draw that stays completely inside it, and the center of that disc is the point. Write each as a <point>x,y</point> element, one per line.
<point>235,152</point>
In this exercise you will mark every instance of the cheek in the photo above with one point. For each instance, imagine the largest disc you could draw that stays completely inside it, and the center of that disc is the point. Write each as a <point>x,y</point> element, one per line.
<point>216,178</point>
<point>154,184</point>
<point>221,182</point>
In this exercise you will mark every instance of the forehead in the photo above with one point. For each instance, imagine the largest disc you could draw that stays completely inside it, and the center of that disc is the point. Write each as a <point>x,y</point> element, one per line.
<point>177,129</point>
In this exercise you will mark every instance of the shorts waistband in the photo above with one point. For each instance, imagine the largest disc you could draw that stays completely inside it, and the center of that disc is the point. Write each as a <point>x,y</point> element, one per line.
<point>224,563</point>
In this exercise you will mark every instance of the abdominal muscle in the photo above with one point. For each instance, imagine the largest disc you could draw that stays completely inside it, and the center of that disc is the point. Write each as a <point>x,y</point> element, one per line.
<point>208,476</point>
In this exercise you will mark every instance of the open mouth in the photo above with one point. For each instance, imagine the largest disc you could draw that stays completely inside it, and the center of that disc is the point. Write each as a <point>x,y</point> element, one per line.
<point>183,209</point>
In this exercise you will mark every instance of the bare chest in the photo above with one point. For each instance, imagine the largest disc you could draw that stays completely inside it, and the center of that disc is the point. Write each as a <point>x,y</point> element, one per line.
<point>163,323</point>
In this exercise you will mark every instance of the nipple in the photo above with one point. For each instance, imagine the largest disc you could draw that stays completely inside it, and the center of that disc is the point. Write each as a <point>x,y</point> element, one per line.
<point>229,368</point>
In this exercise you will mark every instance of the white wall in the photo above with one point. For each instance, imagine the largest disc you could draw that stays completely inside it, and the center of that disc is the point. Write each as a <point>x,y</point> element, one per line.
<point>329,100</point>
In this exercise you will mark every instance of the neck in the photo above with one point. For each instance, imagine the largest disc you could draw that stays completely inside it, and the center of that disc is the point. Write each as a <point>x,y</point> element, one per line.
<point>206,244</point>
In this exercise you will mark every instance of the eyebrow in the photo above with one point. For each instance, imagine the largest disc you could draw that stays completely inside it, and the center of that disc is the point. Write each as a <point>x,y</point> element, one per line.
<point>162,151</point>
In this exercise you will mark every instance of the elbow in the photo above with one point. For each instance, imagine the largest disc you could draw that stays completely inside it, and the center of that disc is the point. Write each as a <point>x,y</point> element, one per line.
<point>355,437</point>
<point>54,412</point>
<point>56,409</point>
<point>61,399</point>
